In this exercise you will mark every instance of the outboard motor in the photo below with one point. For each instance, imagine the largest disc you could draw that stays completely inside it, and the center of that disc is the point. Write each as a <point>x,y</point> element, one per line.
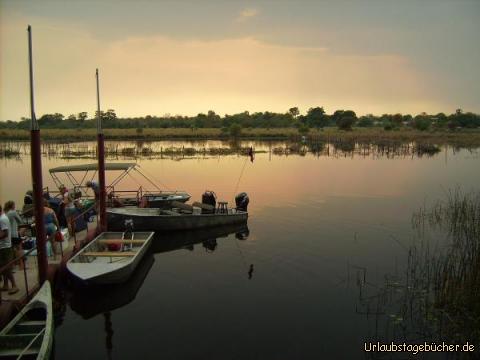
<point>28,199</point>
<point>241,201</point>
<point>209,198</point>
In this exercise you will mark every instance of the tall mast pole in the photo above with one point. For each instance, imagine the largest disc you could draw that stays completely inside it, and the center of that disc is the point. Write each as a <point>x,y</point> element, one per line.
<point>101,163</point>
<point>37,182</point>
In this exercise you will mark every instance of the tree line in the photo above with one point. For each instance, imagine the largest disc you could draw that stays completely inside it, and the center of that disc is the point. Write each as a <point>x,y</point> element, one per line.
<point>316,117</point>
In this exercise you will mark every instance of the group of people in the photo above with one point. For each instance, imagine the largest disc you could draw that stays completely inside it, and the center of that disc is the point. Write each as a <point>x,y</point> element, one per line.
<point>11,236</point>
<point>10,244</point>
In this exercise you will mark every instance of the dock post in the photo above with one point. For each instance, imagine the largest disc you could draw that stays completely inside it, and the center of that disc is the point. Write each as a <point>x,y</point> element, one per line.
<point>101,163</point>
<point>37,181</point>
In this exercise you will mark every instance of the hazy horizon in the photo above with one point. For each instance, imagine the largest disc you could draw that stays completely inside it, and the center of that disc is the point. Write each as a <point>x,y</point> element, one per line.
<point>188,57</point>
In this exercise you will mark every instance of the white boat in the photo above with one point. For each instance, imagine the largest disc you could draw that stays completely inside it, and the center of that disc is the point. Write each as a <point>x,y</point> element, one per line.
<point>110,258</point>
<point>30,334</point>
<point>154,198</point>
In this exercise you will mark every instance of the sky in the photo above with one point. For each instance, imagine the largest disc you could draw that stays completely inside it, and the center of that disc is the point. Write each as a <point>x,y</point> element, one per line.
<point>187,57</point>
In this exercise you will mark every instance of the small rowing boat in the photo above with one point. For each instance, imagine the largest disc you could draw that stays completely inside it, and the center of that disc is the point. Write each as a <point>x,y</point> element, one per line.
<point>29,335</point>
<point>110,258</point>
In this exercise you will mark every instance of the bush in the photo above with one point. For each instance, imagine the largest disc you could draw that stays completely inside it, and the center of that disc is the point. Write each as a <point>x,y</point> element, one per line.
<point>235,130</point>
<point>346,122</point>
<point>365,122</point>
<point>139,131</point>
<point>303,129</point>
<point>421,124</point>
<point>388,125</point>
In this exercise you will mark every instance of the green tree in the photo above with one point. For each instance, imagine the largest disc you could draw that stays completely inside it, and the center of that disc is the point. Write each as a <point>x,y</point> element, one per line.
<point>316,117</point>
<point>51,120</point>
<point>294,112</point>
<point>82,116</point>
<point>345,119</point>
<point>421,122</point>
<point>235,130</point>
<point>365,121</point>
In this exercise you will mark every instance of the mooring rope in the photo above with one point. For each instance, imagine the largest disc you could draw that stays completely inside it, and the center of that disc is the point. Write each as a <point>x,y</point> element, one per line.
<point>240,177</point>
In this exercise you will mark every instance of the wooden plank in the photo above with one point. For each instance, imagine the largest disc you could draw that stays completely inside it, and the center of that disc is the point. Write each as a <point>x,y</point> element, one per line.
<point>109,253</point>
<point>120,241</point>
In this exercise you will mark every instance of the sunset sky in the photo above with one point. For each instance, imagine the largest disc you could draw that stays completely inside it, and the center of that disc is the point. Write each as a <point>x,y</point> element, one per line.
<point>186,57</point>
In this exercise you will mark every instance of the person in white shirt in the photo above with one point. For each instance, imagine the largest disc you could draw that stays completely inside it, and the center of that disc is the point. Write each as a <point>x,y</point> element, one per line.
<point>6,253</point>
<point>15,220</point>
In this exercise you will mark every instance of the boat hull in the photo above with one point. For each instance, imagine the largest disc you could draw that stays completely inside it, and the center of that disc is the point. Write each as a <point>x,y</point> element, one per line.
<point>105,273</point>
<point>41,346</point>
<point>162,223</point>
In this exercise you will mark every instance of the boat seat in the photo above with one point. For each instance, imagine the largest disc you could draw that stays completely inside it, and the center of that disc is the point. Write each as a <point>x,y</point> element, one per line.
<point>222,207</point>
<point>206,208</point>
<point>15,344</point>
<point>183,206</point>
<point>109,253</point>
<point>120,241</point>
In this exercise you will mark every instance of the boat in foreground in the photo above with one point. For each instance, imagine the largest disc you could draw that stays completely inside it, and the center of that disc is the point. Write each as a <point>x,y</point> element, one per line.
<point>92,300</point>
<point>110,258</point>
<point>30,334</point>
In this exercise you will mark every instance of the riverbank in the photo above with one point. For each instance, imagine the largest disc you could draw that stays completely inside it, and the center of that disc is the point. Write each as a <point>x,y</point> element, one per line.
<point>371,135</point>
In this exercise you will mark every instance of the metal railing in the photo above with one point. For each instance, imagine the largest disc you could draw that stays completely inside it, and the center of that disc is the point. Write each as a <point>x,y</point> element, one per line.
<point>13,263</point>
<point>74,219</point>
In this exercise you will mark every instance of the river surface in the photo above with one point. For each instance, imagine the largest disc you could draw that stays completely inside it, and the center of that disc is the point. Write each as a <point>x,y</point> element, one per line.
<point>288,288</point>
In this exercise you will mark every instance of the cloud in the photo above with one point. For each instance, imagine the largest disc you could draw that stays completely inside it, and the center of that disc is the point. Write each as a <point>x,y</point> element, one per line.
<point>246,14</point>
<point>158,74</point>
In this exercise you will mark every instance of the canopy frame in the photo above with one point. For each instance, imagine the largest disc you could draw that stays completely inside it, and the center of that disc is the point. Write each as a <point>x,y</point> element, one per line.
<point>126,169</point>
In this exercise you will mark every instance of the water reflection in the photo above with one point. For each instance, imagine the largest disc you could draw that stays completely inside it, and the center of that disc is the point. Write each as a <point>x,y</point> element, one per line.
<point>165,242</point>
<point>178,150</point>
<point>90,301</point>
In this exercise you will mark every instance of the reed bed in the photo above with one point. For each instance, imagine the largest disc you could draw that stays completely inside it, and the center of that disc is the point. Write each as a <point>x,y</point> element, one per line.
<point>438,297</point>
<point>463,138</point>
<point>158,149</point>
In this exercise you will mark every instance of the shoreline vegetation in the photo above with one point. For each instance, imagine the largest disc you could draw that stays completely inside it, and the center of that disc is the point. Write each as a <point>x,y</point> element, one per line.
<point>333,146</point>
<point>316,124</point>
<point>461,137</point>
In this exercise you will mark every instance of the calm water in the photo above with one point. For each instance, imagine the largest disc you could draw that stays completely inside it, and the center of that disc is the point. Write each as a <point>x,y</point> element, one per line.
<point>288,289</point>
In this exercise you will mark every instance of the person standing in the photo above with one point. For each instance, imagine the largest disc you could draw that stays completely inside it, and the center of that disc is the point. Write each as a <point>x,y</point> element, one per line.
<point>95,188</point>
<point>15,220</point>
<point>69,207</point>
<point>51,224</point>
<point>6,253</point>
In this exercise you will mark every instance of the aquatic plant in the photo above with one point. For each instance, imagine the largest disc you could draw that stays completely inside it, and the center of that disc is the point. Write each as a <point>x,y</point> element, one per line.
<point>438,296</point>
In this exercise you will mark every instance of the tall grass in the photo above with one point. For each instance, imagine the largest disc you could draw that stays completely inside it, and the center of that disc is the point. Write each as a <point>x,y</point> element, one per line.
<point>437,298</point>
<point>455,272</point>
